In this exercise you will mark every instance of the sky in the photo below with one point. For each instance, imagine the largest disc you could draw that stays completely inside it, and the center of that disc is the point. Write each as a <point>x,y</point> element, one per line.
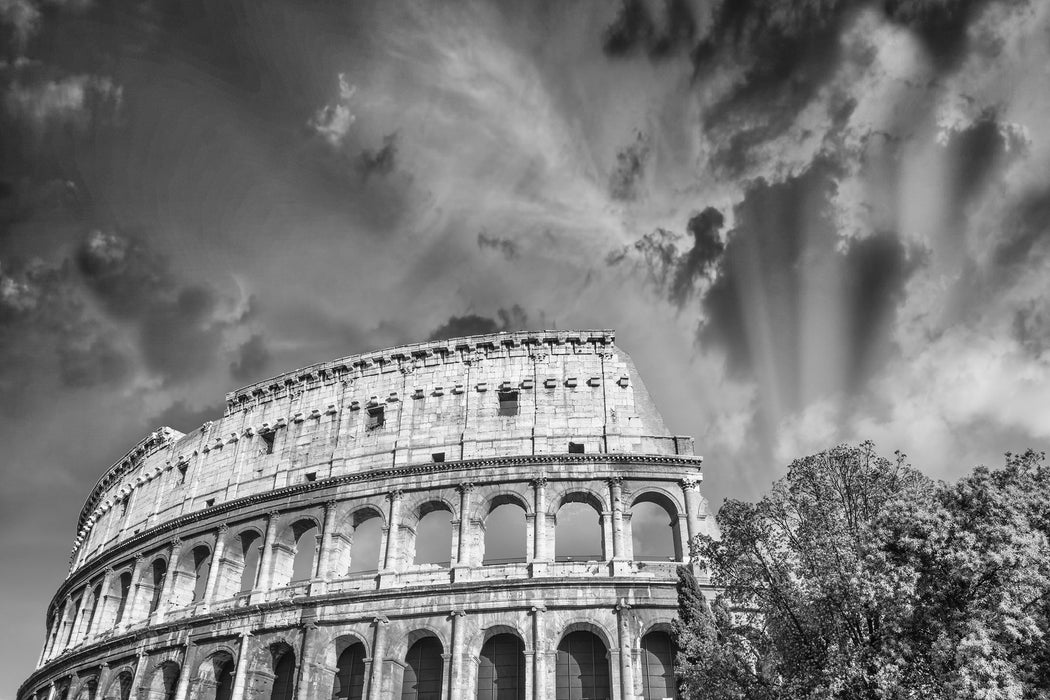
<point>809,221</point>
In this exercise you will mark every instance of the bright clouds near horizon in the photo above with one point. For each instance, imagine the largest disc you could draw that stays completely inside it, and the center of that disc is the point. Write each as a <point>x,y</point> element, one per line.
<point>808,222</point>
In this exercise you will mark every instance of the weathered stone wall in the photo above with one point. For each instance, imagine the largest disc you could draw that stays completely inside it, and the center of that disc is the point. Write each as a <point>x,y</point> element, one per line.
<point>306,450</point>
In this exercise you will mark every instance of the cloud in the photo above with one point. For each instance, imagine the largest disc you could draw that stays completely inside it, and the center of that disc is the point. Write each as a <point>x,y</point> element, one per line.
<point>333,121</point>
<point>253,357</point>
<point>707,247</point>
<point>504,246</point>
<point>630,169</point>
<point>23,18</point>
<point>379,162</point>
<point>179,325</point>
<point>512,319</point>
<point>657,33</point>
<point>72,100</point>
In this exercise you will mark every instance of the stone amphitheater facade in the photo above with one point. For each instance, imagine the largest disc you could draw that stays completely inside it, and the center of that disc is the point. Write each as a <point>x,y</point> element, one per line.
<point>272,553</point>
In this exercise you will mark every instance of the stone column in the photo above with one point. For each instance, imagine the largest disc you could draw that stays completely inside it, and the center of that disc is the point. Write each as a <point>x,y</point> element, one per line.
<point>140,669</point>
<point>240,676</point>
<point>325,555</point>
<point>541,556</point>
<point>185,673</point>
<point>539,657</point>
<point>623,629</point>
<point>49,643</point>
<point>169,580</point>
<point>461,567</point>
<point>390,558</point>
<point>620,565</point>
<point>217,553</point>
<point>66,632</point>
<point>262,582</point>
<point>132,608</point>
<point>375,680</point>
<point>307,673</point>
<point>102,607</point>
<point>456,684</point>
<point>52,690</point>
<point>691,489</point>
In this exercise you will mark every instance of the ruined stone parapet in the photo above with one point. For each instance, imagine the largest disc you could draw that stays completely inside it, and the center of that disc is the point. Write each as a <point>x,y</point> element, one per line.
<point>378,440</point>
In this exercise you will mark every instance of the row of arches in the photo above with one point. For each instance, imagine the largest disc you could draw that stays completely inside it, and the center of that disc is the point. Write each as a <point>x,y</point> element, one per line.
<point>290,549</point>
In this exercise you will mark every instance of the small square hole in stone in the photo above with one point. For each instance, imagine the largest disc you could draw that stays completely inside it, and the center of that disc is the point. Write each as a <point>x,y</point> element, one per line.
<point>437,457</point>
<point>311,476</point>
<point>210,502</point>
<point>576,448</point>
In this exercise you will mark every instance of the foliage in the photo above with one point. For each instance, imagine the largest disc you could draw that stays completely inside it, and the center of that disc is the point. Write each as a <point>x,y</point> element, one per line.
<point>857,577</point>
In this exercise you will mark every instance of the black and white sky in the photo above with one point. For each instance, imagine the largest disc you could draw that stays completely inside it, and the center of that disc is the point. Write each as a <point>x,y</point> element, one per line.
<point>809,221</point>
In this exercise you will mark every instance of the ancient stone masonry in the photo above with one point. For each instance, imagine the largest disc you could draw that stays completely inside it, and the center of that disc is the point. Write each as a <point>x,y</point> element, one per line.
<point>496,516</point>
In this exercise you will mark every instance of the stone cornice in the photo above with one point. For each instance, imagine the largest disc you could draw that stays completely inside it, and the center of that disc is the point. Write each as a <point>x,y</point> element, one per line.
<point>126,547</point>
<point>400,354</point>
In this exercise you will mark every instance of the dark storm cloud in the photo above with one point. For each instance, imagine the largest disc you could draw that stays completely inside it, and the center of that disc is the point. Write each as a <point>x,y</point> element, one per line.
<point>782,235</point>
<point>630,168</point>
<point>513,319</point>
<point>45,330</point>
<point>178,330</point>
<point>381,161</point>
<point>253,357</point>
<point>707,247</point>
<point>657,29</point>
<point>505,246</point>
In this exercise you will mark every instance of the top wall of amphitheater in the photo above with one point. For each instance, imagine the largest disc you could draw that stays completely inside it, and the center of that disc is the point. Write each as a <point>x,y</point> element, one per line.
<point>476,397</point>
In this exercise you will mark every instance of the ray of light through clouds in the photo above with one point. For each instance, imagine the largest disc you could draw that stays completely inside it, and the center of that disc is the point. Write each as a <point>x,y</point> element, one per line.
<point>809,222</point>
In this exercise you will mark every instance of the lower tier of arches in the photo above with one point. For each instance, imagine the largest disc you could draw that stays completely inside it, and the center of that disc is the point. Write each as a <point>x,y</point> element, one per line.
<point>538,644</point>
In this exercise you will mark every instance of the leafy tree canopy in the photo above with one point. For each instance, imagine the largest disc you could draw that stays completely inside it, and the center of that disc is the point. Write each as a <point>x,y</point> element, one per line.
<point>858,577</point>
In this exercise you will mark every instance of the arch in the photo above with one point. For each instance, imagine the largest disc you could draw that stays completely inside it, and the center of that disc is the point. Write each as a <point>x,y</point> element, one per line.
<point>94,592</point>
<point>424,670</point>
<point>657,657</point>
<point>506,538</point>
<point>87,688</point>
<point>156,573</point>
<point>484,507</point>
<point>121,587</point>
<point>655,530</point>
<point>294,552</point>
<point>215,676</point>
<point>164,681</point>
<point>582,669</point>
<point>283,665</point>
<point>119,687</point>
<point>578,528</point>
<point>501,668</point>
<point>360,550</point>
<point>191,576</point>
<point>349,681</point>
<point>239,568</point>
<point>432,536</point>
<point>577,493</point>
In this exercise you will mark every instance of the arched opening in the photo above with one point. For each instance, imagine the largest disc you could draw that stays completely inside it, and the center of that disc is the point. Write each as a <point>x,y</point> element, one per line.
<point>294,552</point>
<point>433,536</point>
<point>164,682</point>
<point>305,550</point>
<point>505,533</point>
<point>582,668</point>
<point>423,670</point>
<point>123,587</point>
<point>120,687</point>
<point>654,529</point>
<point>96,597</point>
<point>249,544</point>
<point>578,530</point>
<point>283,672</point>
<point>201,563</point>
<point>658,666</point>
<point>215,678</point>
<point>364,549</point>
<point>88,689</point>
<point>158,570</point>
<point>501,668</point>
<point>349,681</point>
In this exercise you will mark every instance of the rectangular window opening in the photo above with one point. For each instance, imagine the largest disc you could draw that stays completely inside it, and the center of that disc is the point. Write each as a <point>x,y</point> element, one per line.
<point>576,448</point>
<point>268,441</point>
<point>508,403</point>
<point>311,476</point>
<point>182,473</point>
<point>437,457</point>
<point>209,503</point>
<point>124,506</point>
<point>376,417</point>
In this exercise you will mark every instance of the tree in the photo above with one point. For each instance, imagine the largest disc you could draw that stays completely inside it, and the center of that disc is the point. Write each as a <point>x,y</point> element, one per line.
<point>857,577</point>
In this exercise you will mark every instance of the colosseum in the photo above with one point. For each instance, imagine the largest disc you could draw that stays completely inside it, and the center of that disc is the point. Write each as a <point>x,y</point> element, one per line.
<point>496,516</point>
